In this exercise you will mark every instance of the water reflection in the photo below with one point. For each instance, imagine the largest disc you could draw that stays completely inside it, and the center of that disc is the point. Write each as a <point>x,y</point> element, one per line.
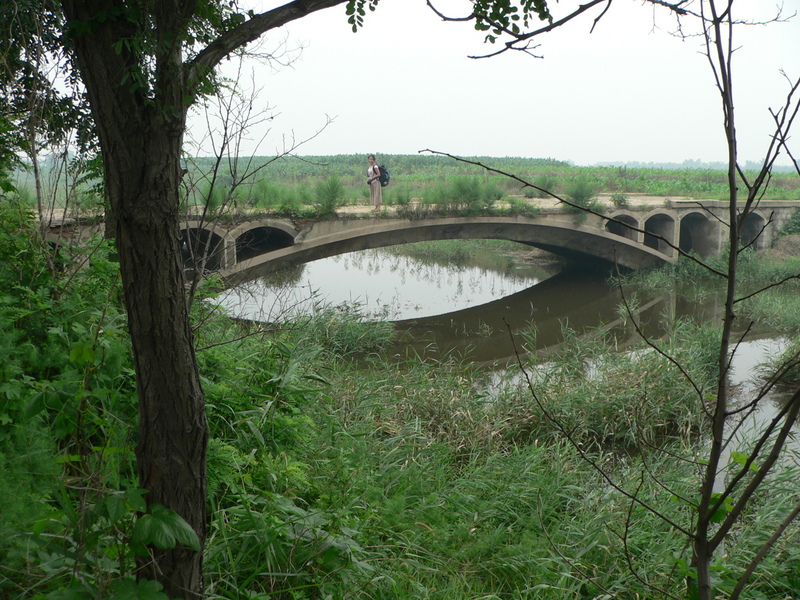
<point>383,285</point>
<point>534,319</point>
<point>485,314</point>
<point>747,379</point>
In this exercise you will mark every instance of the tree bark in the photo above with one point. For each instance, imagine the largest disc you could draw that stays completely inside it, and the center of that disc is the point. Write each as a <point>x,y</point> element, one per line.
<point>141,143</point>
<point>140,116</point>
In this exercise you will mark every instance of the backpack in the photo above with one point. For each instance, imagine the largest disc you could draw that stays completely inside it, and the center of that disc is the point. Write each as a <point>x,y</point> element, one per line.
<point>384,176</point>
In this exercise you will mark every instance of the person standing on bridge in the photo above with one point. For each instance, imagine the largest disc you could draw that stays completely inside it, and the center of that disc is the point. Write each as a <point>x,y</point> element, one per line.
<point>373,177</point>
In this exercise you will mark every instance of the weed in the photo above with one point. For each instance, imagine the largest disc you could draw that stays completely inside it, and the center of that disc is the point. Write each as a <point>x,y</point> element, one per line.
<point>581,192</point>
<point>620,200</point>
<point>542,182</point>
<point>329,195</point>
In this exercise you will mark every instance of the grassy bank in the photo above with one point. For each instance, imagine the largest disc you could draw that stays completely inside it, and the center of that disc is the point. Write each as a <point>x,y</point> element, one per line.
<point>775,307</point>
<point>338,472</point>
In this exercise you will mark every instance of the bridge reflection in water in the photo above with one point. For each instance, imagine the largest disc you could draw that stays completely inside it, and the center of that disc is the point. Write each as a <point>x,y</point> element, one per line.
<point>583,300</point>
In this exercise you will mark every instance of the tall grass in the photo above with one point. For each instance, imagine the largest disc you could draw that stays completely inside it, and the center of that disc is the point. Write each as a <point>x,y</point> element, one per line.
<point>775,307</point>
<point>473,495</point>
<point>337,471</point>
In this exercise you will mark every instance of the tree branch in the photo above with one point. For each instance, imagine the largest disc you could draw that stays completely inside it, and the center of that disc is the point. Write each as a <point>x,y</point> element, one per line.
<point>585,209</point>
<point>249,31</point>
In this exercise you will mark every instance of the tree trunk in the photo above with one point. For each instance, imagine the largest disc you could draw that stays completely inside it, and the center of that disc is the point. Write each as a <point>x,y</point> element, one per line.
<point>171,450</point>
<point>140,137</point>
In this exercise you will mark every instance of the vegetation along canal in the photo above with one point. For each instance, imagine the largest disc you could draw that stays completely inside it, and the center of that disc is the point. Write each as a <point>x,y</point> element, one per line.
<point>472,299</point>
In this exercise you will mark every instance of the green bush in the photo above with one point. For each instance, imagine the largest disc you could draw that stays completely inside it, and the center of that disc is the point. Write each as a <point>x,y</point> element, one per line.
<point>399,196</point>
<point>543,181</point>
<point>328,196</point>
<point>620,200</point>
<point>67,413</point>
<point>581,191</point>
<point>792,226</point>
<point>464,195</point>
<point>521,207</point>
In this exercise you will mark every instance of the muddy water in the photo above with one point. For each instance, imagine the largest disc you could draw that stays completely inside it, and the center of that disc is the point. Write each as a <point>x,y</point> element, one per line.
<point>384,286</point>
<point>468,309</point>
<point>485,312</point>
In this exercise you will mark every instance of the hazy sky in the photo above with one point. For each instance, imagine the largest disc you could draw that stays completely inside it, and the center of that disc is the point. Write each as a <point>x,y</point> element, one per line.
<point>629,91</point>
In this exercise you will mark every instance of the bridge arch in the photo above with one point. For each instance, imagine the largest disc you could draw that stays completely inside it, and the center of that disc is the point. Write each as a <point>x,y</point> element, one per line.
<point>752,231</point>
<point>255,238</point>
<point>623,225</point>
<point>202,247</point>
<point>699,233</point>
<point>659,232</point>
<point>583,244</point>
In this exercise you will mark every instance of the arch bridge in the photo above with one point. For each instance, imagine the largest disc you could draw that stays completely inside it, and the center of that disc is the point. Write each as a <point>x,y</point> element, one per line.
<point>632,238</point>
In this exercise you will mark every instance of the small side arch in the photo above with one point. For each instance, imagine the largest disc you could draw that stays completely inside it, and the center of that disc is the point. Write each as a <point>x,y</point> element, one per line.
<point>699,234</point>
<point>202,248</point>
<point>260,240</point>
<point>751,232</point>
<point>660,233</point>
<point>624,226</point>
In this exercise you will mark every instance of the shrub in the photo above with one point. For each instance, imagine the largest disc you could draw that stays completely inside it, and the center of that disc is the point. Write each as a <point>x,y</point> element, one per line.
<point>545,182</point>
<point>467,195</point>
<point>792,226</point>
<point>399,196</point>
<point>329,196</point>
<point>581,191</point>
<point>620,201</point>
<point>520,207</point>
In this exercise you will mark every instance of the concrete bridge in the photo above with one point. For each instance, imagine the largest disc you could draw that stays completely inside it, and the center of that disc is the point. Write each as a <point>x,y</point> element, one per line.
<point>633,238</point>
<point>641,236</point>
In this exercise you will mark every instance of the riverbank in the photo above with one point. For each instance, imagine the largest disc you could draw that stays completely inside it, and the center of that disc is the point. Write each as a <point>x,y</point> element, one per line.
<point>339,473</point>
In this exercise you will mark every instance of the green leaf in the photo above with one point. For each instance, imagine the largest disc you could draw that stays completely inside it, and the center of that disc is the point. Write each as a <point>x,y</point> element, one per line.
<point>135,498</point>
<point>726,507</point>
<point>68,458</point>
<point>144,589</point>
<point>115,507</point>
<point>36,405</point>
<point>741,459</point>
<point>82,353</point>
<point>164,529</point>
<point>182,531</point>
<point>150,531</point>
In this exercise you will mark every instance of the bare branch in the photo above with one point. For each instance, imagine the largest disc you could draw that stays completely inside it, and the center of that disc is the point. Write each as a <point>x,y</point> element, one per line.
<point>579,207</point>
<point>763,551</point>
<point>250,31</point>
